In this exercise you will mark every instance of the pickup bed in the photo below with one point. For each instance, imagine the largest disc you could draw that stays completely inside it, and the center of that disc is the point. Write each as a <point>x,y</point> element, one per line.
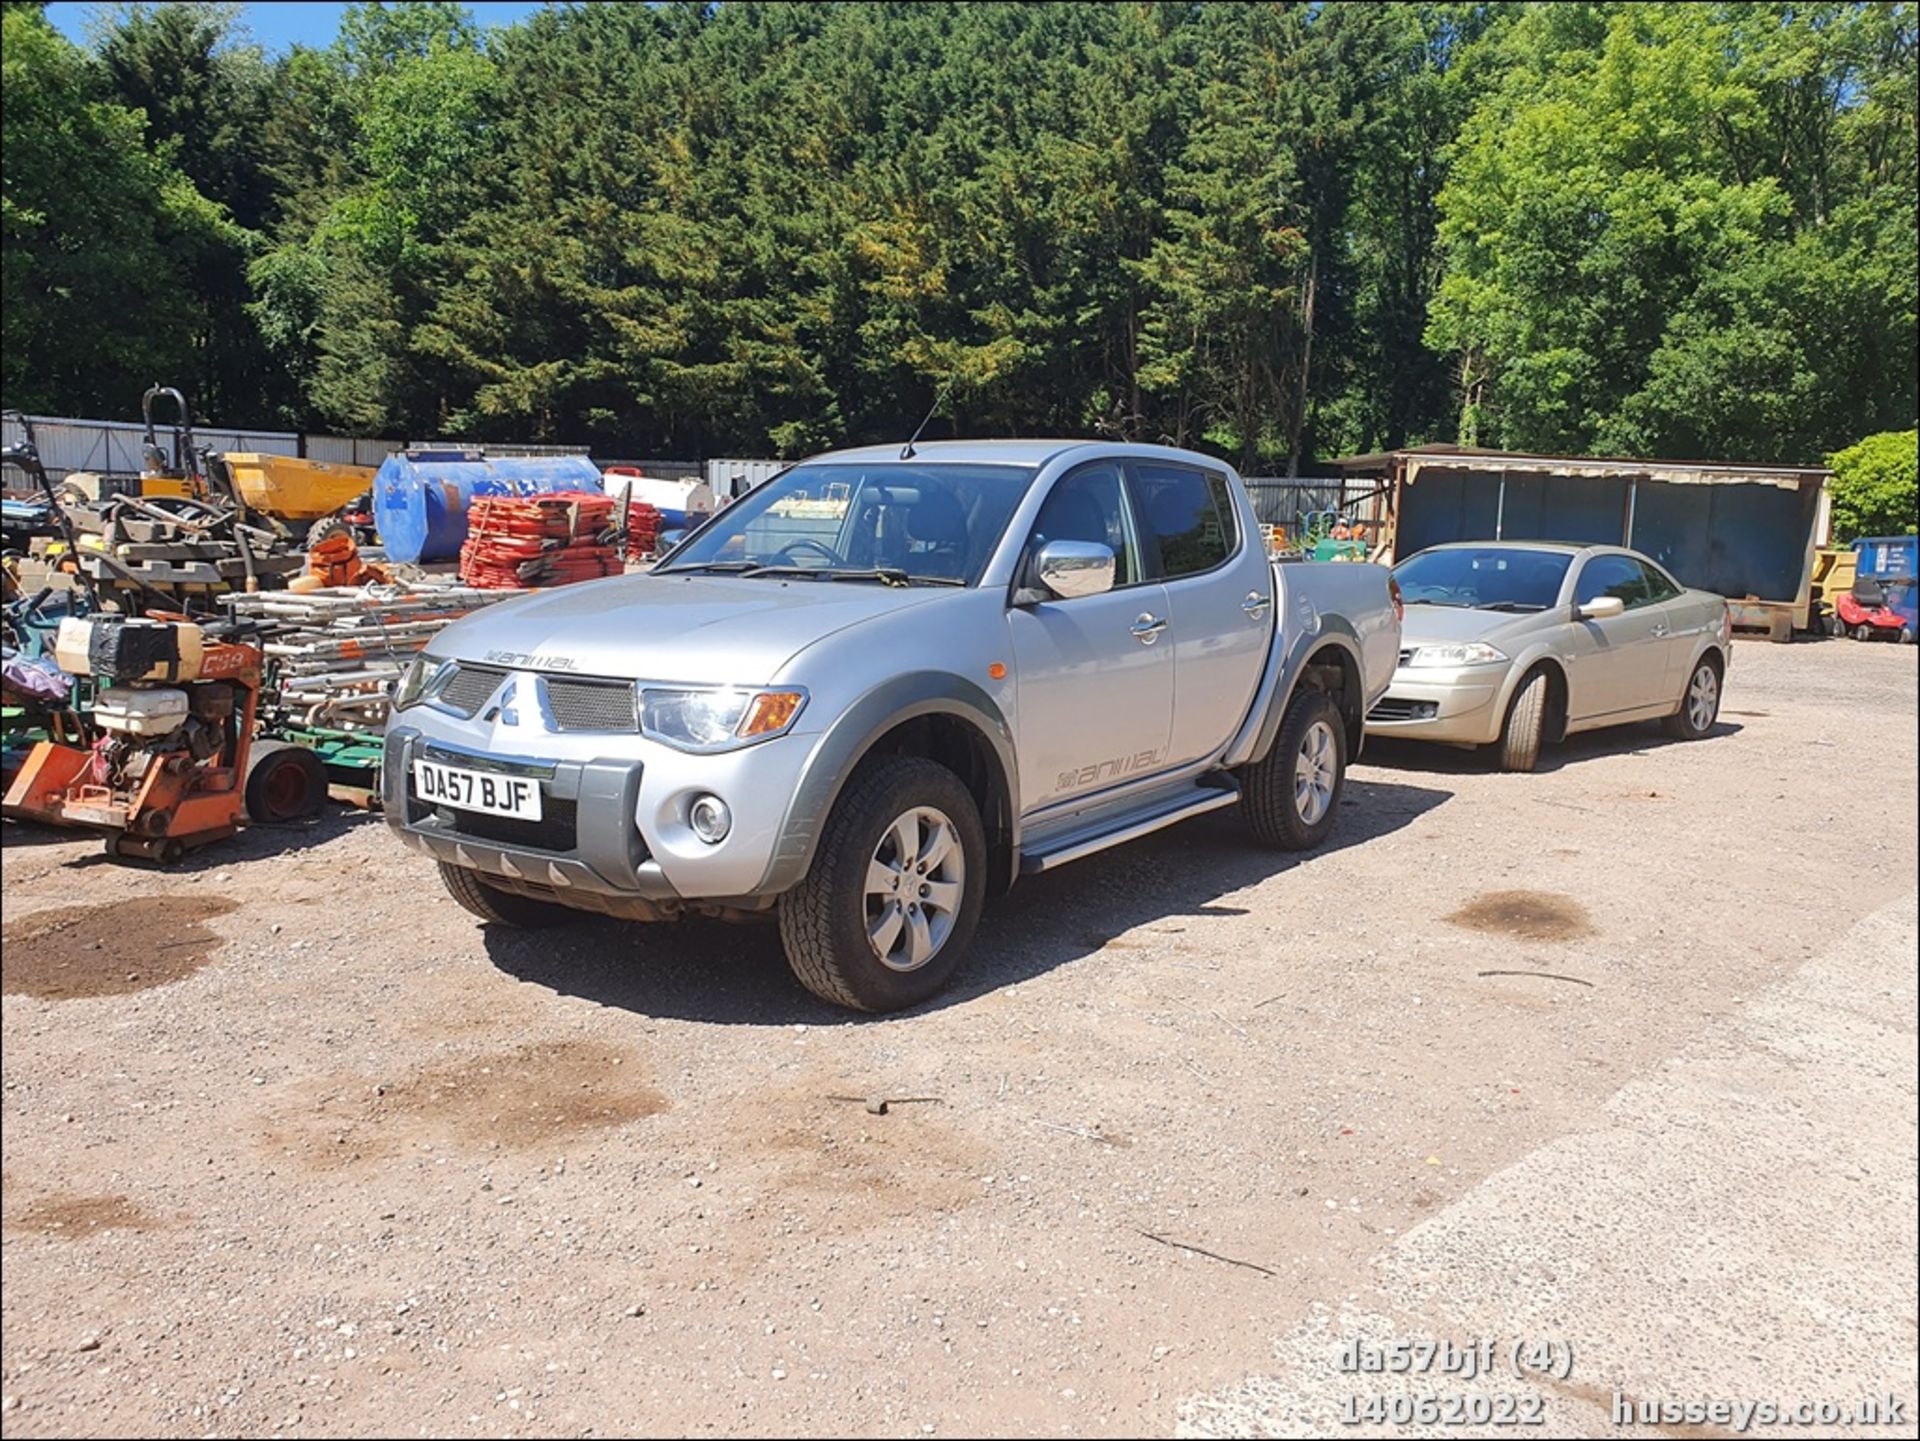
<point>881,687</point>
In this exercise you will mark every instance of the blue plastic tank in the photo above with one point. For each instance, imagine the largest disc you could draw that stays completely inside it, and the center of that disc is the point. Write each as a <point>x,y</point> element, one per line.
<point>420,497</point>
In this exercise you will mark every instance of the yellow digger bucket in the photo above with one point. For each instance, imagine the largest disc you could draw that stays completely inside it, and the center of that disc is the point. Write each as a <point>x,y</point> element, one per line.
<point>289,488</point>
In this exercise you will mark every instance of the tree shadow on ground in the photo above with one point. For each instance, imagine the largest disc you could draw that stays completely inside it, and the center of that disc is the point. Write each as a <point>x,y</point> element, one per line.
<point>734,973</point>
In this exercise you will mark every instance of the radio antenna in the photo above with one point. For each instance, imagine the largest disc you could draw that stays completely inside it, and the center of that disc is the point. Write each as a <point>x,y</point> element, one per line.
<point>906,451</point>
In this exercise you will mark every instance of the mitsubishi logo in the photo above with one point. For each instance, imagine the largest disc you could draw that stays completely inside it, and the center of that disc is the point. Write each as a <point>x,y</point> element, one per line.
<point>503,708</point>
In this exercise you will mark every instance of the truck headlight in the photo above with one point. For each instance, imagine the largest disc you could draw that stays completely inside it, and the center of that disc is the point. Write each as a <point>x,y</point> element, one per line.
<point>419,679</point>
<point>1476,652</point>
<point>711,720</point>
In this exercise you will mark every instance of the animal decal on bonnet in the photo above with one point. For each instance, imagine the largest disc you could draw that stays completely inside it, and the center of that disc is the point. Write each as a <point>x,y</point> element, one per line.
<point>1110,770</point>
<point>522,660</point>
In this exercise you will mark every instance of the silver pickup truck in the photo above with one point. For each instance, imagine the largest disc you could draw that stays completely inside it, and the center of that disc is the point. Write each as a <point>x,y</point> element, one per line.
<point>882,686</point>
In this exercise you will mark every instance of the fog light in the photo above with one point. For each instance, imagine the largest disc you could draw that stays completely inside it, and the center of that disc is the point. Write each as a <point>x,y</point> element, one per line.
<point>710,819</point>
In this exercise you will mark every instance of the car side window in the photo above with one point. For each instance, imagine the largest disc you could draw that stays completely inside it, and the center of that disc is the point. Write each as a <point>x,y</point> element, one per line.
<point>1659,588</point>
<point>1187,517</point>
<point>1087,505</point>
<point>1614,575</point>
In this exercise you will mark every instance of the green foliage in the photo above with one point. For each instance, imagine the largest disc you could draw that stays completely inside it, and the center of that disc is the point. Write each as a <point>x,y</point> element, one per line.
<point>1279,232</point>
<point>204,94</point>
<point>99,235</point>
<point>1686,230</point>
<point>1876,486</point>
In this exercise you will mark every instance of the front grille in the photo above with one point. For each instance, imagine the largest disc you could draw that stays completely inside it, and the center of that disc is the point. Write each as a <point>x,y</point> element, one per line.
<point>591,705</point>
<point>556,830</point>
<point>1392,708</point>
<point>468,688</point>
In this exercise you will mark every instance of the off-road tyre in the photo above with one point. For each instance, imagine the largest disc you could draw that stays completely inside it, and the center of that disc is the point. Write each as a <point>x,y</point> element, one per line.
<point>325,527</point>
<point>823,919</point>
<point>1270,788</point>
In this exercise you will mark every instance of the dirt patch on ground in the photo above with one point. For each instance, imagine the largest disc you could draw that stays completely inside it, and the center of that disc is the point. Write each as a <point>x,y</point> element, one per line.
<point>71,952</point>
<point>1530,915</point>
<point>68,1214</point>
<point>517,1098</point>
<point>910,1161</point>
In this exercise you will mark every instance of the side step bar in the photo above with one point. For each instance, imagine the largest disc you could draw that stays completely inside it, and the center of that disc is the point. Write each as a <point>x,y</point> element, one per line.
<point>1131,825</point>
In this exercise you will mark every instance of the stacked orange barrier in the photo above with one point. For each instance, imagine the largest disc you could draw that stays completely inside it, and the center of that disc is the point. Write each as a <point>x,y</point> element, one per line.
<point>518,542</point>
<point>335,561</point>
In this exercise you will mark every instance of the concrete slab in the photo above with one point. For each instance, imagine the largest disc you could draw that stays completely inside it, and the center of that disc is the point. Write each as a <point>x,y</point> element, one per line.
<point>1743,1230</point>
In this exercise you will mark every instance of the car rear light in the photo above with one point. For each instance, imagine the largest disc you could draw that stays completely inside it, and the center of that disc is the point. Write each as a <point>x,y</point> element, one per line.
<point>1399,605</point>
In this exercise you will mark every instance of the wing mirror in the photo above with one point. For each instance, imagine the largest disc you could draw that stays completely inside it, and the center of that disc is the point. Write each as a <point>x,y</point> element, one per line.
<point>1073,568</point>
<point>1601,607</point>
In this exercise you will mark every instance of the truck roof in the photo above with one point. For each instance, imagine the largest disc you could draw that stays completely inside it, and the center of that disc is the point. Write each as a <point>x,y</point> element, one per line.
<point>1004,452</point>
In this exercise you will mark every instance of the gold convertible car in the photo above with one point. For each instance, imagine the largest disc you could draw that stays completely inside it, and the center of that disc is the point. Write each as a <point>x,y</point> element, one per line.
<point>1516,643</point>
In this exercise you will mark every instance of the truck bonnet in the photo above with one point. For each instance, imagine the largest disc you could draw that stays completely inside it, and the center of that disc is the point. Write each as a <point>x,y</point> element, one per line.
<point>698,629</point>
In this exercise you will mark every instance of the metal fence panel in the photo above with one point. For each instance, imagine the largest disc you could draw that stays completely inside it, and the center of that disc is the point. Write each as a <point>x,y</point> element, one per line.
<point>112,447</point>
<point>658,469</point>
<point>262,442</point>
<point>492,448</point>
<point>333,449</point>
<point>1283,501</point>
<point>727,477</point>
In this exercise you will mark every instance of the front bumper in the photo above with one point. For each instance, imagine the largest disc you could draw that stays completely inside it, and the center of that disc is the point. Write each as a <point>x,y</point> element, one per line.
<point>1461,706</point>
<point>588,843</point>
<point>615,826</point>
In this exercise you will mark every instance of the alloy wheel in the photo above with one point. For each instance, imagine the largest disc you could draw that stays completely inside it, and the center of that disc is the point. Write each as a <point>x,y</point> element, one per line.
<point>1314,772</point>
<point>915,882</point>
<point>1703,697</point>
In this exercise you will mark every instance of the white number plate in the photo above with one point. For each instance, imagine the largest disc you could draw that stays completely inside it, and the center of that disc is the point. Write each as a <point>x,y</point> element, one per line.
<point>515,796</point>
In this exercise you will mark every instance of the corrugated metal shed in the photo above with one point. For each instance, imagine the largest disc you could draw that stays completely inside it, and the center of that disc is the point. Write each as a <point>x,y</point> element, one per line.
<point>1745,531</point>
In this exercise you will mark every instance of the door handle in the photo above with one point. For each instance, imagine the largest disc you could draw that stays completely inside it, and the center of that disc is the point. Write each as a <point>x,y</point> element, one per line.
<point>1657,632</point>
<point>1255,605</point>
<point>1147,628</point>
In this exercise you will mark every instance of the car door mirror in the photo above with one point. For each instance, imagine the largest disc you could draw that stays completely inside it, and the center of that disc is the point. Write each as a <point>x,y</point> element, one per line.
<point>1074,568</point>
<point>1601,607</point>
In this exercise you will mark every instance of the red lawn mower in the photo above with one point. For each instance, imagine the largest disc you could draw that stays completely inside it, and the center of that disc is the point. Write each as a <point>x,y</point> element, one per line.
<point>1877,610</point>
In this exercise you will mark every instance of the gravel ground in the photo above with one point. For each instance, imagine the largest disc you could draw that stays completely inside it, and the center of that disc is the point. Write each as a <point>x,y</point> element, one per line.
<point>292,1145</point>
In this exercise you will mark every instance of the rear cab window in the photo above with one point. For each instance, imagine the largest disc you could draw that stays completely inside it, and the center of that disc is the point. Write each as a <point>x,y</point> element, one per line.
<point>1187,518</point>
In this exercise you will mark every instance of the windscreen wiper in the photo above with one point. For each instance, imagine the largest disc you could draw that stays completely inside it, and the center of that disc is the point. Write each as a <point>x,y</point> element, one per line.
<point>1512,605</point>
<point>720,567</point>
<point>892,575</point>
<point>753,572</point>
<point>885,574</point>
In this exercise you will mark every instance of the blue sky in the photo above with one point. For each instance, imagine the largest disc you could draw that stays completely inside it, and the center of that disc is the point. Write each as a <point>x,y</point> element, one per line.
<point>276,24</point>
